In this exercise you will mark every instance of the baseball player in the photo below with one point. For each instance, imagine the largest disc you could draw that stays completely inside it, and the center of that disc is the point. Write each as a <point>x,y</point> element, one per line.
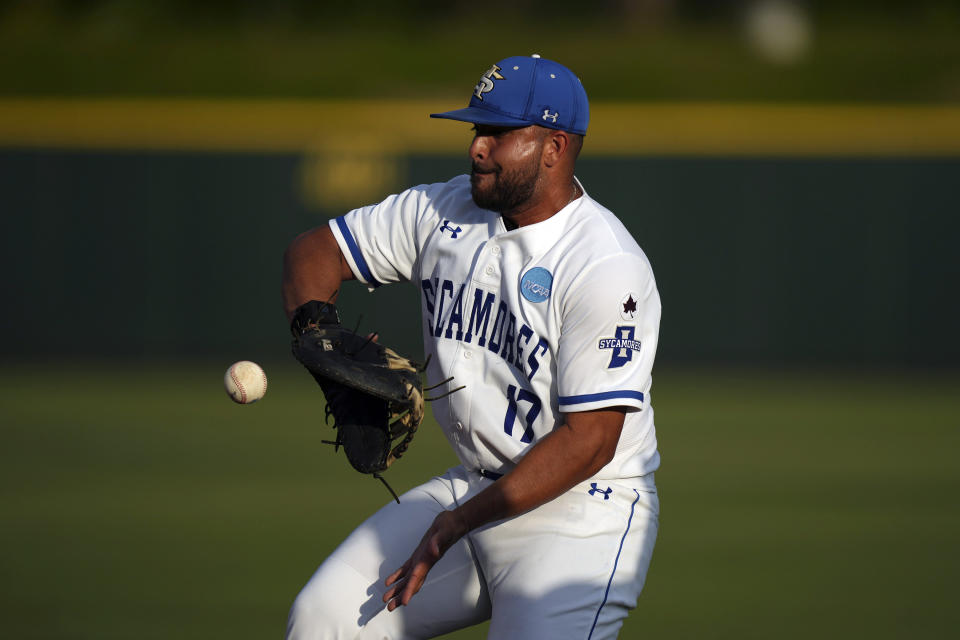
<point>539,303</point>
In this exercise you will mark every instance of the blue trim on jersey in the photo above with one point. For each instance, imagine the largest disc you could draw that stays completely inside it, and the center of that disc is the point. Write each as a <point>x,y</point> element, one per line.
<point>605,395</point>
<point>355,252</point>
<point>617,560</point>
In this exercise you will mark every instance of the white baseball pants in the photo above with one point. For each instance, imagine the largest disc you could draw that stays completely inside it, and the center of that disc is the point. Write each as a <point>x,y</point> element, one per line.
<point>571,568</point>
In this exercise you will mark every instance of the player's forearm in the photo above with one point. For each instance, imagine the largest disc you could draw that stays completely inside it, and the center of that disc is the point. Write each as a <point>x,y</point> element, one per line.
<point>313,268</point>
<point>562,459</point>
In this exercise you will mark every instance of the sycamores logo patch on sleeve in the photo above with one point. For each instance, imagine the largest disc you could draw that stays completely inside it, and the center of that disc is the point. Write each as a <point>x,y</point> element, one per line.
<point>623,344</point>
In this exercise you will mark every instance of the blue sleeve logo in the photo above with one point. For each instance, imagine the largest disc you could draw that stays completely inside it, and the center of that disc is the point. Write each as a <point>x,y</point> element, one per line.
<point>623,346</point>
<point>535,284</point>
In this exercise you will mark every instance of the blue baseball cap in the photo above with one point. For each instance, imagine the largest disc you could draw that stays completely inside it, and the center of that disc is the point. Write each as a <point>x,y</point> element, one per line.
<point>521,91</point>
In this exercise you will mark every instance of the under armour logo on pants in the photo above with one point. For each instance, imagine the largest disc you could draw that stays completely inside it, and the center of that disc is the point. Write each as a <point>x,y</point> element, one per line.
<point>604,492</point>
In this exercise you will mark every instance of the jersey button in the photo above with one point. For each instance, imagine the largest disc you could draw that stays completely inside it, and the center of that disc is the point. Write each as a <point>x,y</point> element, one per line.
<point>468,354</point>
<point>495,250</point>
<point>488,270</point>
<point>459,426</point>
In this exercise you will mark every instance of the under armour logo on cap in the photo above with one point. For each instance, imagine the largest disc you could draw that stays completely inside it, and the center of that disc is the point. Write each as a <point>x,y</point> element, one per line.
<point>552,116</point>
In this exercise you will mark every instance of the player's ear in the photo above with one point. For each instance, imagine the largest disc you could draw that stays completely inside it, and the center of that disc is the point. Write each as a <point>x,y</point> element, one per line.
<point>556,145</point>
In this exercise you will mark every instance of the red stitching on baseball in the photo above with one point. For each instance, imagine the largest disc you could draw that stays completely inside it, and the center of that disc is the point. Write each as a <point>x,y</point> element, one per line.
<point>236,381</point>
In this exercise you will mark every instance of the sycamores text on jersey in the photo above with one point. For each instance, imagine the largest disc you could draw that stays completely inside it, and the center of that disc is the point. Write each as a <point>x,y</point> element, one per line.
<point>497,331</point>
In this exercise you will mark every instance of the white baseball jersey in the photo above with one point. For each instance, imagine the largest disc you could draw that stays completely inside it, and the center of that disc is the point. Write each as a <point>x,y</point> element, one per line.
<point>550,318</point>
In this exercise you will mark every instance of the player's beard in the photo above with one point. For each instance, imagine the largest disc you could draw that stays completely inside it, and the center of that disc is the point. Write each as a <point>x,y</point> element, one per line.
<point>509,189</point>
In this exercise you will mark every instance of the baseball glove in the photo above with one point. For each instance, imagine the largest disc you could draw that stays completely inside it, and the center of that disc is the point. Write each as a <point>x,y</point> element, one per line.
<point>374,395</point>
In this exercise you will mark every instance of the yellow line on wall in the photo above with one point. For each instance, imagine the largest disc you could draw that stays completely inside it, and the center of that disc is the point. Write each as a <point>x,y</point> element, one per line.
<point>392,126</point>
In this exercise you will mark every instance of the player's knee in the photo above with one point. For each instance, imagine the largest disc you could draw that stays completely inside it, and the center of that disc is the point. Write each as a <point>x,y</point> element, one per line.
<point>299,621</point>
<point>332,606</point>
<point>311,617</point>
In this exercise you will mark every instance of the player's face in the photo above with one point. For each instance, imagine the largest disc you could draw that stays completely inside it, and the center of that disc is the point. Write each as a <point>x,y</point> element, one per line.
<point>505,166</point>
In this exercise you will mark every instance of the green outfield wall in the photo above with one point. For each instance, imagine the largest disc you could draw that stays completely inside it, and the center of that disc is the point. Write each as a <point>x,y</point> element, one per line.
<point>764,252</point>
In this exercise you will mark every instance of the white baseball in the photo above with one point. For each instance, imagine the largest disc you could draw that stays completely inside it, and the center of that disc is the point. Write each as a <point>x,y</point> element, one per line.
<point>245,382</point>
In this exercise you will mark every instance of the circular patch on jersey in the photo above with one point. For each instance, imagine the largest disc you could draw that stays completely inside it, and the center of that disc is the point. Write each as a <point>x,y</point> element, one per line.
<point>536,284</point>
<point>628,306</point>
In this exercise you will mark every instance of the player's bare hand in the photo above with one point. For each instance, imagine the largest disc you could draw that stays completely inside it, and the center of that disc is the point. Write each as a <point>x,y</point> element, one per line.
<point>405,582</point>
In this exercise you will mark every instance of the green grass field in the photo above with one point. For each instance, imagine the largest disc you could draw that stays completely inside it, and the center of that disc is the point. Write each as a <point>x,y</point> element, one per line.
<point>139,502</point>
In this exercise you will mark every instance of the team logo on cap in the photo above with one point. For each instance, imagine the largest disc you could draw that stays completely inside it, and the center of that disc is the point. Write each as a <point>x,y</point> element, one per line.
<point>486,81</point>
<point>536,284</point>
